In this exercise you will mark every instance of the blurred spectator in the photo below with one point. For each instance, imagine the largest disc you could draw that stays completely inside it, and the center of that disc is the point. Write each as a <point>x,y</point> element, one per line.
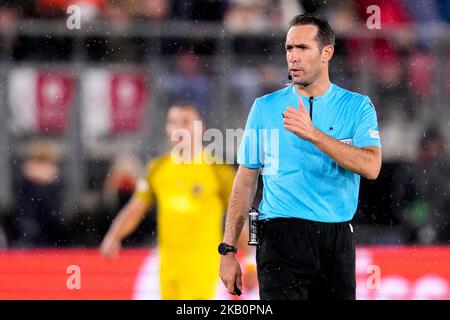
<point>424,190</point>
<point>248,83</point>
<point>90,9</point>
<point>24,8</point>
<point>188,83</point>
<point>118,12</point>
<point>121,181</point>
<point>269,79</point>
<point>152,9</point>
<point>246,16</point>
<point>423,12</point>
<point>384,54</point>
<point>287,10</point>
<point>199,10</point>
<point>243,86</point>
<point>341,15</point>
<point>39,219</point>
<point>57,8</point>
<point>444,10</point>
<point>8,18</point>
<point>392,11</point>
<point>420,69</point>
<point>427,15</point>
<point>51,8</point>
<point>44,47</point>
<point>119,47</point>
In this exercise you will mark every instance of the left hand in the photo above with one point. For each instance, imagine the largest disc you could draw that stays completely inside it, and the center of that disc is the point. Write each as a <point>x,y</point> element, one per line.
<point>299,122</point>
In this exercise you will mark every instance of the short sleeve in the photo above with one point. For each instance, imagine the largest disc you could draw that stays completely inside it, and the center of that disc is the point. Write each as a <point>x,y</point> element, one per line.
<point>249,153</point>
<point>143,189</point>
<point>366,132</point>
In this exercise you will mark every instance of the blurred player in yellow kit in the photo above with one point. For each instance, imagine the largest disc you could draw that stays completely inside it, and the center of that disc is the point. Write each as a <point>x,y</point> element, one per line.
<point>191,195</point>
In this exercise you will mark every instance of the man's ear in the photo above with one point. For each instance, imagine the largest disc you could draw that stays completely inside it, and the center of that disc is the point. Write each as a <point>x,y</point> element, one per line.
<point>327,53</point>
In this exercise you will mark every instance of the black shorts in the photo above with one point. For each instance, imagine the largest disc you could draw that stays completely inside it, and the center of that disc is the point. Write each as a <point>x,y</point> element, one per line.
<point>305,260</point>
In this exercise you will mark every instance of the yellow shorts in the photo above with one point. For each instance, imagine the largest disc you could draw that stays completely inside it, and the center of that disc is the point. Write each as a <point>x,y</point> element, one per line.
<point>191,274</point>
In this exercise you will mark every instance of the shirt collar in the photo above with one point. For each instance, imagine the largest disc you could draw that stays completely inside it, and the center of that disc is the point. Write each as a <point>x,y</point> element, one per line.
<point>324,96</point>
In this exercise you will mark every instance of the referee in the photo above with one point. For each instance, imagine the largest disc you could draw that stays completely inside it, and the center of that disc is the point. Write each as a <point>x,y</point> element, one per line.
<point>327,138</point>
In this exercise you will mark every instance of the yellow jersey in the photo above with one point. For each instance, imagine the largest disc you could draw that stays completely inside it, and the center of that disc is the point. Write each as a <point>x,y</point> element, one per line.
<point>191,200</point>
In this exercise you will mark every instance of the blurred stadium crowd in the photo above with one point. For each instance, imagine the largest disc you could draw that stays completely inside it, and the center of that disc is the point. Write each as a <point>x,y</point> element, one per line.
<point>66,177</point>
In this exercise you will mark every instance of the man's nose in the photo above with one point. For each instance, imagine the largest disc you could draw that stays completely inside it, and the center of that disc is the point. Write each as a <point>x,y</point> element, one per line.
<point>294,56</point>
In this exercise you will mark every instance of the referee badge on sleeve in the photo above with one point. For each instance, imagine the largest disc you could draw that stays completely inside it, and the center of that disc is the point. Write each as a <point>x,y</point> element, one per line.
<point>374,134</point>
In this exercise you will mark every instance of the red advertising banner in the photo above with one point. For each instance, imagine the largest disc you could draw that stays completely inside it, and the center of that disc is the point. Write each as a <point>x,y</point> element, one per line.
<point>52,274</point>
<point>388,273</point>
<point>382,273</point>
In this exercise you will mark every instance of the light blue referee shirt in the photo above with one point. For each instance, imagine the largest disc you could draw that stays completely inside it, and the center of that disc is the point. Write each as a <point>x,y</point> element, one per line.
<point>301,181</point>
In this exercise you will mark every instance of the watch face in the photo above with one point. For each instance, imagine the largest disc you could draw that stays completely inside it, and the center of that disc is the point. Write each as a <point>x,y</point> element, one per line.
<point>222,248</point>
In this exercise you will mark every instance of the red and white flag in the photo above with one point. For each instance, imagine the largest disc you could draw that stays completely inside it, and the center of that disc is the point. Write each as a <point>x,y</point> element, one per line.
<point>113,102</point>
<point>40,102</point>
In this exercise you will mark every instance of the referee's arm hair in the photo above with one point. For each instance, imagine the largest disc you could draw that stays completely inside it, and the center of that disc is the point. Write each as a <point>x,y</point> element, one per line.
<point>242,194</point>
<point>364,161</point>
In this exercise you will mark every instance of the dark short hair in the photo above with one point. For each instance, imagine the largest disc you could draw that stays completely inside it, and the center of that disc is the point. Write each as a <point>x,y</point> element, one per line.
<point>325,35</point>
<point>188,106</point>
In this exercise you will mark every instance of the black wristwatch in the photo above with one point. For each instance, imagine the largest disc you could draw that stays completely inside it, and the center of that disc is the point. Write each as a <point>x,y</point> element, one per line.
<point>225,248</point>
